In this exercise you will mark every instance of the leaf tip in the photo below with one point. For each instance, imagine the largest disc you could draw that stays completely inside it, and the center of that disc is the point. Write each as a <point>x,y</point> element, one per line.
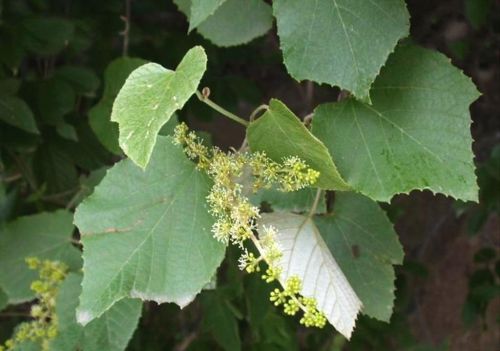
<point>141,162</point>
<point>183,301</point>
<point>83,317</point>
<point>197,52</point>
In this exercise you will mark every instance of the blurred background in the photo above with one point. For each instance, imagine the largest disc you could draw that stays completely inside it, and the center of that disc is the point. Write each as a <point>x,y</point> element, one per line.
<point>53,56</point>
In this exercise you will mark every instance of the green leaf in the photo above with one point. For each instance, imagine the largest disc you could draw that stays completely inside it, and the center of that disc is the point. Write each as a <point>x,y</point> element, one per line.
<point>111,332</point>
<point>279,133</point>
<point>55,98</point>
<point>306,256</point>
<point>9,86</point>
<point>219,319</point>
<point>149,97</point>
<point>295,201</point>
<point>256,294</point>
<point>11,52</point>
<point>4,299</point>
<point>201,9</point>
<point>339,42</point>
<point>17,113</point>
<point>44,235</point>
<point>83,80</point>
<point>67,131</point>
<point>54,167</point>
<point>158,227</point>
<point>28,346</point>
<point>169,127</point>
<point>47,36</point>
<point>235,22</point>
<point>363,242</point>
<point>7,202</point>
<point>478,12</point>
<point>276,334</point>
<point>416,135</point>
<point>100,115</point>
<point>88,183</point>
<point>88,153</point>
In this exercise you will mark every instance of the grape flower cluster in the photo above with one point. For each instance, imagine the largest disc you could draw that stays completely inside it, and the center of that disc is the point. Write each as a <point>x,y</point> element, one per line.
<point>44,324</point>
<point>235,175</point>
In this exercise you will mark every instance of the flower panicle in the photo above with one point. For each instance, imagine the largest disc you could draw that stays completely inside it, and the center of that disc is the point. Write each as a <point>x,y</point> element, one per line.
<point>44,326</point>
<point>292,302</point>
<point>235,216</point>
<point>296,174</point>
<point>193,146</point>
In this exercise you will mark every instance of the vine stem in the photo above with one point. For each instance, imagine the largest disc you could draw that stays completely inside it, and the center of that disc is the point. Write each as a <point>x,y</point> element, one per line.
<point>259,247</point>
<point>253,115</point>
<point>186,342</point>
<point>126,31</point>
<point>314,206</point>
<point>221,110</point>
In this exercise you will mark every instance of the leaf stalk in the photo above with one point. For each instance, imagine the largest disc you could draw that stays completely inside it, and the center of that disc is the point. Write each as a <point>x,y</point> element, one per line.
<point>221,110</point>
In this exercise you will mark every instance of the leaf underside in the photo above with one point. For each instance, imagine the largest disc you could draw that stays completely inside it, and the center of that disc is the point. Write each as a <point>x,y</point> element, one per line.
<point>306,255</point>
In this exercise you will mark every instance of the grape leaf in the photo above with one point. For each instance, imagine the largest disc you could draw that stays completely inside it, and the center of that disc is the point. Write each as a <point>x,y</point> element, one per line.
<point>277,333</point>
<point>17,113</point>
<point>46,35</point>
<point>149,97</point>
<point>201,9</point>
<point>219,319</point>
<point>88,153</point>
<point>83,80</point>
<point>100,115</point>
<point>87,184</point>
<point>54,168</point>
<point>11,53</point>
<point>235,22</point>
<point>279,133</point>
<point>7,202</point>
<point>67,131</point>
<point>28,346</point>
<point>55,98</point>
<point>339,42</point>
<point>44,235</point>
<point>306,255</point>
<point>111,332</point>
<point>416,135</point>
<point>147,233</point>
<point>9,86</point>
<point>295,201</point>
<point>4,299</point>
<point>478,12</point>
<point>362,240</point>
<point>256,292</point>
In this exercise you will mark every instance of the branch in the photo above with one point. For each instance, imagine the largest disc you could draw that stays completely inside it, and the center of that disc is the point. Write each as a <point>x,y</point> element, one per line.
<point>126,31</point>
<point>314,206</point>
